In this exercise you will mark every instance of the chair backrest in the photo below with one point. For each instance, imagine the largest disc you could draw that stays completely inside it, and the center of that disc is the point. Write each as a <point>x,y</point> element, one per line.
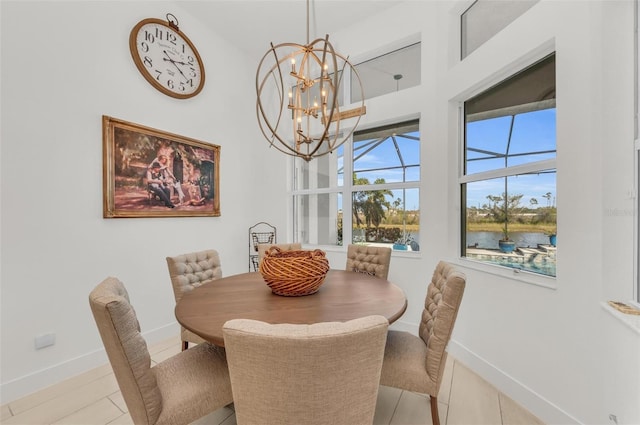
<point>263,247</point>
<point>127,350</point>
<point>444,295</point>
<point>188,271</point>
<point>325,373</point>
<point>373,260</point>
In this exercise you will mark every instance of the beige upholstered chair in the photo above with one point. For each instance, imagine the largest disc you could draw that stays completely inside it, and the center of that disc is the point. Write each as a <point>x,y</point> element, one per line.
<point>187,272</point>
<point>263,247</point>
<point>417,363</point>
<point>325,373</point>
<point>372,260</point>
<point>178,390</point>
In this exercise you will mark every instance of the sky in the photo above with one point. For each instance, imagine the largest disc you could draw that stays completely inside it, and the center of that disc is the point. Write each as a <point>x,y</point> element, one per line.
<point>532,132</point>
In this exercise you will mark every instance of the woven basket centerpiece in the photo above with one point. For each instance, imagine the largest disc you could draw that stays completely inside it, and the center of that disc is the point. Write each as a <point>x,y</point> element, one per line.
<point>294,273</point>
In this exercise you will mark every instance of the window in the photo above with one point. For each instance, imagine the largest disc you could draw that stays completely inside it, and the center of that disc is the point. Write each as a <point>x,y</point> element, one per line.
<point>391,72</point>
<point>508,185</point>
<point>379,187</point>
<point>485,18</point>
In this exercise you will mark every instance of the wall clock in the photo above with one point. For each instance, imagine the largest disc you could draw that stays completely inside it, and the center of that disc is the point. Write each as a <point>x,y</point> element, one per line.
<point>166,57</point>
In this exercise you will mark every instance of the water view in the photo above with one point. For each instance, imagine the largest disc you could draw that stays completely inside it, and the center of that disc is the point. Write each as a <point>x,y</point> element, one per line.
<point>490,240</point>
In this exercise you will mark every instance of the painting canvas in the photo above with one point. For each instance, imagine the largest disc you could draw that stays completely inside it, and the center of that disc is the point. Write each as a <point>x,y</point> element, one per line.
<point>152,173</point>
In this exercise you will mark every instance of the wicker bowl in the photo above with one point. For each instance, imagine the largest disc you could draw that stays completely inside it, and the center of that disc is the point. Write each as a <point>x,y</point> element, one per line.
<point>294,273</point>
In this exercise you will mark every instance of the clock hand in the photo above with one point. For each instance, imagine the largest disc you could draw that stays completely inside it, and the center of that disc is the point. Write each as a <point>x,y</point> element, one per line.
<point>174,64</point>
<point>172,61</point>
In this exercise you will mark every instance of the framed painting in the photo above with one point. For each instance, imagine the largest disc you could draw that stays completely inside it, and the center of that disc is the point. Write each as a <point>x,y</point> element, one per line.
<point>152,173</point>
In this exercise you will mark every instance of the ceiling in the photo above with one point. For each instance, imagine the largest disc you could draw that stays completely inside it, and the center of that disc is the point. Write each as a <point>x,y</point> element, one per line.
<point>252,25</point>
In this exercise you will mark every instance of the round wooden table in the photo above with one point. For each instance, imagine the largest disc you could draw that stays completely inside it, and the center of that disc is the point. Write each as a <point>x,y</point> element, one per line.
<point>344,295</point>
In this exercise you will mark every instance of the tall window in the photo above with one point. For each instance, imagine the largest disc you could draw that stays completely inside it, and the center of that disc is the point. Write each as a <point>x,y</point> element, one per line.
<point>509,182</point>
<point>373,198</point>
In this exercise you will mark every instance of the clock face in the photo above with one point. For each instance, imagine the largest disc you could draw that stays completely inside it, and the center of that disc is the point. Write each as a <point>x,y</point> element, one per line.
<point>167,58</point>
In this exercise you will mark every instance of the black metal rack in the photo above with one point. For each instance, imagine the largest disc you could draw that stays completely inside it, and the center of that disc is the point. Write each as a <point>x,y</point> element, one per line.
<point>261,232</point>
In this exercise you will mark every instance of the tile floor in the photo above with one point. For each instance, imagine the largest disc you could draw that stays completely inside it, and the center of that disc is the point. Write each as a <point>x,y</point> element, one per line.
<point>93,398</point>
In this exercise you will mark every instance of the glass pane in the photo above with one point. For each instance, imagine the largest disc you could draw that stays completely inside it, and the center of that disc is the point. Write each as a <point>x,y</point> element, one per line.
<point>387,157</point>
<point>388,73</point>
<point>486,18</point>
<point>387,218</point>
<point>527,221</point>
<point>321,173</point>
<point>318,218</point>
<point>514,122</point>
<point>510,140</point>
<point>533,138</point>
<point>486,144</point>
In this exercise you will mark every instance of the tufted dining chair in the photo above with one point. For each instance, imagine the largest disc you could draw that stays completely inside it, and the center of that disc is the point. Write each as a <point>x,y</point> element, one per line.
<point>415,363</point>
<point>175,391</point>
<point>324,373</point>
<point>372,260</point>
<point>187,272</point>
<point>264,247</point>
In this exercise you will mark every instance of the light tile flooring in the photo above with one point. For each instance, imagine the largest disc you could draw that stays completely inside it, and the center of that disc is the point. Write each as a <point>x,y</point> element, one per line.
<point>93,398</point>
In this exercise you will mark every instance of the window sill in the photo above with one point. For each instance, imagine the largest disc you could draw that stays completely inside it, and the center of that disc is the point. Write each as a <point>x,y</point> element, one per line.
<point>630,320</point>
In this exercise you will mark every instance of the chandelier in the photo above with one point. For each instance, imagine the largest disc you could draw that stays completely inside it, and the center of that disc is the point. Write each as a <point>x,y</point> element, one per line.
<point>298,97</point>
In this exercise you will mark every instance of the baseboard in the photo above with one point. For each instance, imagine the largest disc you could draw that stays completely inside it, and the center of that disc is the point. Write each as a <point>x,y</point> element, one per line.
<point>40,379</point>
<point>546,411</point>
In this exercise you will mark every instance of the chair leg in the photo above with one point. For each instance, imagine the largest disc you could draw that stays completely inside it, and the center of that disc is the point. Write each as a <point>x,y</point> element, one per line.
<point>435,419</point>
<point>185,345</point>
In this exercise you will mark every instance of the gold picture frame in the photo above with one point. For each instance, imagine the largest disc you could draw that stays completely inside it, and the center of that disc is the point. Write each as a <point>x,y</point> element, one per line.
<point>153,173</point>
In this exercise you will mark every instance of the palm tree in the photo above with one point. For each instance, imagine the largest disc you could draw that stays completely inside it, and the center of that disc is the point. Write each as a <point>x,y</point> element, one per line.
<point>370,204</point>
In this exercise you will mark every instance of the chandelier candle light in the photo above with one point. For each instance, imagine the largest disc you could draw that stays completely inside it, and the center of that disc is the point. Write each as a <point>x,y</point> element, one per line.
<point>305,83</point>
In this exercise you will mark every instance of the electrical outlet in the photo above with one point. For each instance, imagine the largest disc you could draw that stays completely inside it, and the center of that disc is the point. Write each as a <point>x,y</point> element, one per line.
<point>44,340</point>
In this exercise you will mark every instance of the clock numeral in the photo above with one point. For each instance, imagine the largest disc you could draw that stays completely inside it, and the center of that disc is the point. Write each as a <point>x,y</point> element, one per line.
<point>170,84</point>
<point>149,37</point>
<point>183,48</point>
<point>144,47</point>
<point>171,38</point>
<point>159,33</point>
<point>190,60</point>
<point>148,61</point>
<point>193,73</point>
<point>158,74</point>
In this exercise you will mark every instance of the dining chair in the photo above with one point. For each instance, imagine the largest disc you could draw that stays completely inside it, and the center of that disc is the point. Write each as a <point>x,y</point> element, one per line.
<point>324,373</point>
<point>264,247</point>
<point>175,391</point>
<point>373,260</point>
<point>187,272</point>
<point>415,363</point>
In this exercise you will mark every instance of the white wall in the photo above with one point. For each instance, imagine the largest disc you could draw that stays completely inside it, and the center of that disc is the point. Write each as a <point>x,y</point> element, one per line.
<point>550,349</point>
<point>64,65</point>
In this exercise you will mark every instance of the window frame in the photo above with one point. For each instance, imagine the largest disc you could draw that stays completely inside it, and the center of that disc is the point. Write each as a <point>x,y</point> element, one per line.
<point>348,188</point>
<point>503,172</point>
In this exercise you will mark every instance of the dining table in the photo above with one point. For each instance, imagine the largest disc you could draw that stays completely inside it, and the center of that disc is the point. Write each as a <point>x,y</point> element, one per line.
<point>344,295</point>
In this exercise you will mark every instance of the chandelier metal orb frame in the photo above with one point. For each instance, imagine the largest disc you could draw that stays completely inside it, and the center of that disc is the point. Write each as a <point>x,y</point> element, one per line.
<point>298,97</point>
